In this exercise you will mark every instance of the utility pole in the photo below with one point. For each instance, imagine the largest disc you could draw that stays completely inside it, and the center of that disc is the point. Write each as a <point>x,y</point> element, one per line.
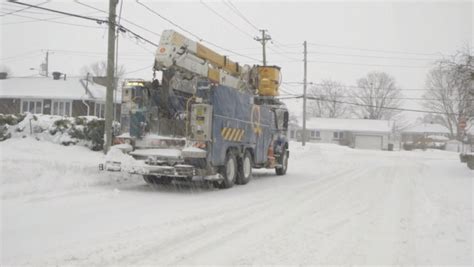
<point>263,41</point>
<point>304,96</point>
<point>116,61</point>
<point>109,97</point>
<point>47,63</point>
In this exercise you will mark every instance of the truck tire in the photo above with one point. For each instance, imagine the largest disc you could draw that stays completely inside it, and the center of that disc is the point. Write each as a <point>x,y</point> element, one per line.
<point>284,163</point>
<point>157,180</point>
<point>470,162</point>
<point>228,171</point>
<point>244,173</point>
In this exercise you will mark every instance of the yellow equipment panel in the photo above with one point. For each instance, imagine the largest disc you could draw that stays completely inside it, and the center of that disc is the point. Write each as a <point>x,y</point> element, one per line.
<point>268,80</point>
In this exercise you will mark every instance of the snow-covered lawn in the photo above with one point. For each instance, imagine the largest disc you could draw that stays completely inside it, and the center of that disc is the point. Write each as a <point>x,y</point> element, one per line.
<point>335,206</point>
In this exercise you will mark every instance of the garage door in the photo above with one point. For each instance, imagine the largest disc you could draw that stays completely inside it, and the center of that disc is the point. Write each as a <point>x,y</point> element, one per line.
<point>368,142</point>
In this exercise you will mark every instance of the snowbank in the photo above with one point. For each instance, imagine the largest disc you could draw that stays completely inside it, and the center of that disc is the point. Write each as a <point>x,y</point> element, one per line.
<point>32,167</point>
<point>87,130</point>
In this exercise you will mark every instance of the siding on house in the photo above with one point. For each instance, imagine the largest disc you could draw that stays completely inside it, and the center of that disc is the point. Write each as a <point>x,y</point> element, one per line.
<point>344,131</point>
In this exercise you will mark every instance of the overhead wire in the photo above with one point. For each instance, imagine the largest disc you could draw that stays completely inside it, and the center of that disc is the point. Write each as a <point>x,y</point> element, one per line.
<point>20,55</point>
<point>50,20</point>
<point>97,20</point>
<point>374,106</point>
<point>23,9</point>
<point>140,69</point>
<point>373,50</point>
<point>191,33</point>
<point>350,86</point>
<point>238,13</point>
<point>124,19</point>
<point>225,19</point>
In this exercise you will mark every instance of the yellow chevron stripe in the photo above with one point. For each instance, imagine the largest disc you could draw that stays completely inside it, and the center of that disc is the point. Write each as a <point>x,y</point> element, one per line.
<point>229,131</point>
<point>236,135</point>
<point>224,132</point>
<point>241,135</point>
<point>231,136</point>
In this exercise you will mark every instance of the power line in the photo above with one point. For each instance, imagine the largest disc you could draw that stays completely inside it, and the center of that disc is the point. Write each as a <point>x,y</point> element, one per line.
<point>50,20</point>
<point>225,19</point>
<point>124,19</point>
<point>100,21</point>
<point>20,55</point>
<point>7,9</point>
<point>20,10</point>
<point>395,98</point>
<point>192,34</point>
<point>358,64</point>
<point>373,106</point>
<point>350,86</point>
<point>365,56</point>
<point>140,69</point>
<point>381,107</point>
<point>234,9</point>
<point>373,50</point>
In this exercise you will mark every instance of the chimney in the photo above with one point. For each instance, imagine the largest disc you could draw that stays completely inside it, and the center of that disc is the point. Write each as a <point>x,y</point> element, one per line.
<point>56,75</point>
<point>3,75</point>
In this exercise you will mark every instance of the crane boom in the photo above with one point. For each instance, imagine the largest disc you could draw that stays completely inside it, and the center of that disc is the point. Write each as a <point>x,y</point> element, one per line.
<point>188,56</point>
<point>176,50</point>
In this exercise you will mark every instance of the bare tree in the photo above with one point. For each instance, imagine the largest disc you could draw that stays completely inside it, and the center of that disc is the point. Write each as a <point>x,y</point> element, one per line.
<point>431,118</point>
<point>449,90</point>
<point>377,96</point>
<point>328,100</point>
<point>99,69</point>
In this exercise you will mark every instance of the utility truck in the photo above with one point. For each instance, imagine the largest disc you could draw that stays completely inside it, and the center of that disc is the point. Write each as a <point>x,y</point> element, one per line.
<point>207,118</point>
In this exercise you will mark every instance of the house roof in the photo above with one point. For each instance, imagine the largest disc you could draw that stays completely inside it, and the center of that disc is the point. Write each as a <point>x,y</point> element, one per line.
<point>427,128</point>
<point>353,125</point>
<point>73,88</point>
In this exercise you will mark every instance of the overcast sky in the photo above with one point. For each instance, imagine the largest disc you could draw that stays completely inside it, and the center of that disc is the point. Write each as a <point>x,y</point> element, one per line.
<point>346,39</point>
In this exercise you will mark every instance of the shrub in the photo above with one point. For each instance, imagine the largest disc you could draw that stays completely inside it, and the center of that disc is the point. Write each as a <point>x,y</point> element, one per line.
<point>10,119</point>
<point>94,132</point>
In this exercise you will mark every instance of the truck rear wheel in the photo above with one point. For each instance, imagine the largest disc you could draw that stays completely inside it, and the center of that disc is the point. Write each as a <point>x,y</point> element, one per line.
<point>156,180</point>
<point>228,171</point>
<point>284,164</point>
<point>245,169</point>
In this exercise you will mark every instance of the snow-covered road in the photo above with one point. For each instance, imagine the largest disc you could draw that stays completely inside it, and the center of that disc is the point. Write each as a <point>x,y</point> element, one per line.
<point>335,206</point>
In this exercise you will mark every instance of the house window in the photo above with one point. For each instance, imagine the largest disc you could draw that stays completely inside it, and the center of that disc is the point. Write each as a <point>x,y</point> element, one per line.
<point>338,135</point>
<point>32,106</point>
<point>61,107</point>
<point>100,110</point>
<point>315,134</point>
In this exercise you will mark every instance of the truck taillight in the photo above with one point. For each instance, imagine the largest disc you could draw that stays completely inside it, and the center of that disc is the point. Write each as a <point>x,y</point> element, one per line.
<point>199,144</point>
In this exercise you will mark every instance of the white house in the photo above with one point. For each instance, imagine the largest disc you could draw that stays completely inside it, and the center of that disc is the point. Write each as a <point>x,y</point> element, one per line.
<point>66,96</point>
<point>423,130</point>
<point>355,133</point>
<point>425,135</point>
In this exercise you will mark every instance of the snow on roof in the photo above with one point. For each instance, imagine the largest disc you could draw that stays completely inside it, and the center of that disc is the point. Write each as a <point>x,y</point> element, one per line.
<point>73,88</point>
<point>427,128</point>
<point>354,125</point>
